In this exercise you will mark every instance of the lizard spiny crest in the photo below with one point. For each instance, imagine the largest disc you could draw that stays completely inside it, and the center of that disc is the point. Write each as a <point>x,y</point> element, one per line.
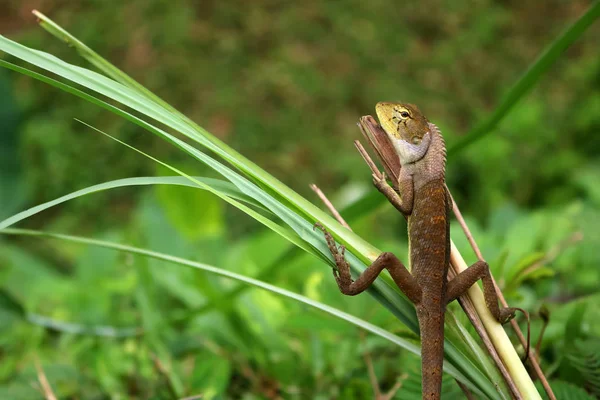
<point>440,146</point>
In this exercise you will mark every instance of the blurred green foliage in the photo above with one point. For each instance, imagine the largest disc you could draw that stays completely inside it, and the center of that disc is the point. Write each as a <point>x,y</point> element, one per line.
<point>284,83</point>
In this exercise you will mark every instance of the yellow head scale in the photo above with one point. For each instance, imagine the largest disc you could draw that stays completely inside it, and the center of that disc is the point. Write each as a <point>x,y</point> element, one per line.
<point>402,121</point>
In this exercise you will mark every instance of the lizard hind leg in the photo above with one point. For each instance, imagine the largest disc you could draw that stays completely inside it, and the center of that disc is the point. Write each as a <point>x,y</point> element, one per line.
<point>463,281</point>
<point>401,276</point>
<point>481,270</point>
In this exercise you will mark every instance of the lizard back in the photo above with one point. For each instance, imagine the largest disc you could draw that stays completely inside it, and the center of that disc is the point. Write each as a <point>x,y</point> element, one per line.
<point>429,233</point>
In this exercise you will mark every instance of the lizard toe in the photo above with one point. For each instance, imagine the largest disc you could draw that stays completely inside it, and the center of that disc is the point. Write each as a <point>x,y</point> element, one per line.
<point>506,314</point>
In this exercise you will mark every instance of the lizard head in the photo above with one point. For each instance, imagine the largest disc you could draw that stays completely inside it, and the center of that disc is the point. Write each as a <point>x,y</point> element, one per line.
<point>407,128</point>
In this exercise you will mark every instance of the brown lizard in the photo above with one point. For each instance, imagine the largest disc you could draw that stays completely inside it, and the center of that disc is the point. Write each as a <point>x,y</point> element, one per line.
<point>426,203</point>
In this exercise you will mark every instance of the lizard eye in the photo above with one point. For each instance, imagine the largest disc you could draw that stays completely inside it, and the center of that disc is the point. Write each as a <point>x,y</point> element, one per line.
<point>416,140</point>
<point>404,114</point>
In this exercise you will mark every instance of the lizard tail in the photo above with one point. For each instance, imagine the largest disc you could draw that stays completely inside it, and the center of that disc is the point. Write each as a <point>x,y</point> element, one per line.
<point>432,354</point>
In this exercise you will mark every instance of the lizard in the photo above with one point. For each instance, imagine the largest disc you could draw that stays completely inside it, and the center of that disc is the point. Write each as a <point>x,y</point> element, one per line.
<point>426,203</point>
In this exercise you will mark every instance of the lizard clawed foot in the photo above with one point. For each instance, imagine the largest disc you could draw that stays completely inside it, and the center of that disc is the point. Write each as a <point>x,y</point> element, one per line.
<point>379,179</point>
<point>342,273</point>
<point>318,225</point>
<point>508,313</point>
<point>328,238</point>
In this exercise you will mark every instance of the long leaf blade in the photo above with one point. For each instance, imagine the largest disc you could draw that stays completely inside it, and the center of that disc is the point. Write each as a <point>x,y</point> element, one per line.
<point>533,74</point>
<point>274,289</point>
<point>224,187</point>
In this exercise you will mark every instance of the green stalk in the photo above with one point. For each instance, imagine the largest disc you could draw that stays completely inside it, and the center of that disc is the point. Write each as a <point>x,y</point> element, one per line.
<point>535,72</point>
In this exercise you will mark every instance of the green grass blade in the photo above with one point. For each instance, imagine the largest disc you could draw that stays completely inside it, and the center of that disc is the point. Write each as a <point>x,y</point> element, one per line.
<point>96,60</point>
<point>405,344</point>
<point>307,238</point>
<point>478,353</point>
<point>112,71</point>
<point>215,165</point>
<point>133,99</point>
<point>222,186</point>
<point>383,290</point>
<point>287,234</point>
<point>530,78</point>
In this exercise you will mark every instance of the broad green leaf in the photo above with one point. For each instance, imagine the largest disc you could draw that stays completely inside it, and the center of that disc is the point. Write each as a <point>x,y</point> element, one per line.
<point>194,213</point>
<point>210,379</point>
<point>567,391</point>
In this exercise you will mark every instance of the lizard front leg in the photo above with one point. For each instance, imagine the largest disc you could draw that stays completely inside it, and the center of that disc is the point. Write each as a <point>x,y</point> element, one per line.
<point>464,280</point>
<point>403,204</point>
<point>401,276</point>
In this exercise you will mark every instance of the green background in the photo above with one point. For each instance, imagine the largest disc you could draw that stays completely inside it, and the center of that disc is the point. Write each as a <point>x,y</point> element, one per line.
<point>284,83</point>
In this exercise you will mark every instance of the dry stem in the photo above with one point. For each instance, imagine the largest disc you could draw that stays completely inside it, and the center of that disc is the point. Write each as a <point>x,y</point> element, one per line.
<point>46,388</point>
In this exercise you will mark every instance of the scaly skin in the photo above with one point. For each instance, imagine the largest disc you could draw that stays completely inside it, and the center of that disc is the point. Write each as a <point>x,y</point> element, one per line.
<point>423,159</point>
<point>426,204</point>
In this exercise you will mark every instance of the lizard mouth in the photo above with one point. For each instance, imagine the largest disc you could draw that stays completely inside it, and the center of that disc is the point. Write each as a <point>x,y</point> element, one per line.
<point>410,153</point>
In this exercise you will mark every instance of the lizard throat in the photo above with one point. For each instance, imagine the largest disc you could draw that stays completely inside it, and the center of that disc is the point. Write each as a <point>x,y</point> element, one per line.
<point>410,153</point>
